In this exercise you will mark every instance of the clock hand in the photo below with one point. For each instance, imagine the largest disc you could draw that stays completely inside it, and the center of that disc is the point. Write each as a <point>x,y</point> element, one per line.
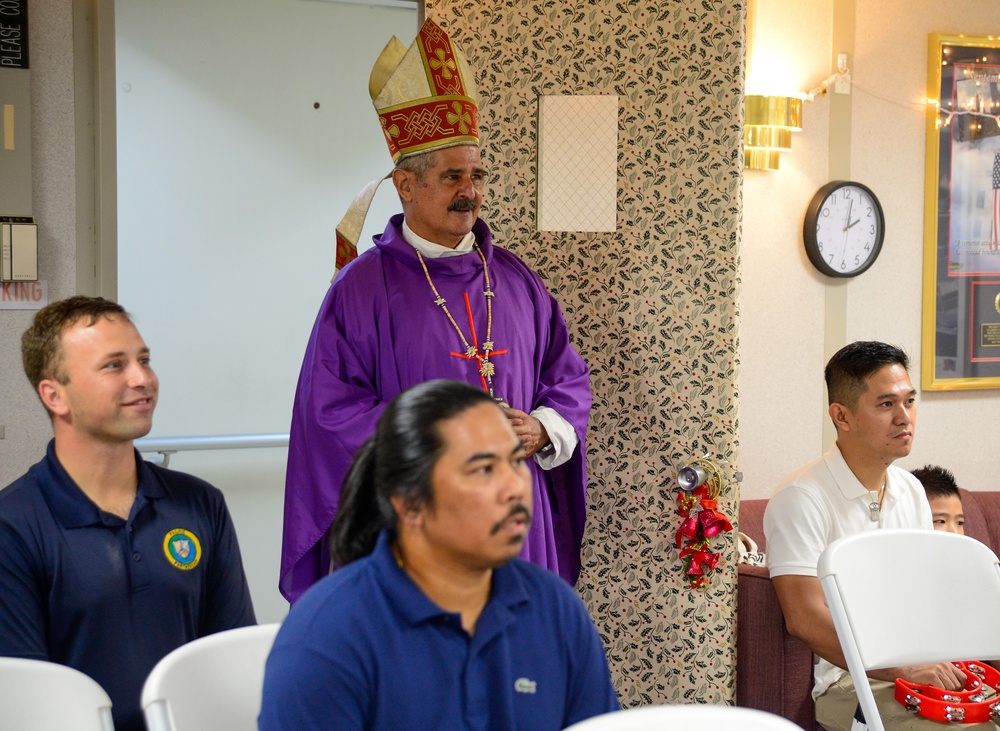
<point>847,226</point>
<point>855,222</point>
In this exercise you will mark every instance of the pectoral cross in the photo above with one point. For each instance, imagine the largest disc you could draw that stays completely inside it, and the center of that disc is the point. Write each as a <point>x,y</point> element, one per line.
<point>486,368</point>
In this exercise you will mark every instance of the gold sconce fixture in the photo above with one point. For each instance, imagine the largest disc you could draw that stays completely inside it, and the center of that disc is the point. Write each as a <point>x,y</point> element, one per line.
<point>768,123</point>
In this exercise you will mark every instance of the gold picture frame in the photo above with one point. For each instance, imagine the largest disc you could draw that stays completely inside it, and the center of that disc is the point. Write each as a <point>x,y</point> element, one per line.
<point>961,290</point>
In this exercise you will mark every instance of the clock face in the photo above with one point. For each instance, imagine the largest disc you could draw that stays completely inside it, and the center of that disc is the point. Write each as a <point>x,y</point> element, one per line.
<point>843,229</point>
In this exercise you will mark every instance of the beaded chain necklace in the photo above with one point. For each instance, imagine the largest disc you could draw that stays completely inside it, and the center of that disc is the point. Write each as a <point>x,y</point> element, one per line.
<point>487,369</point>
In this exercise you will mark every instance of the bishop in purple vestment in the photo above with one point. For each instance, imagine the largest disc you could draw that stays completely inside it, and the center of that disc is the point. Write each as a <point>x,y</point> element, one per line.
<point>435,299</point>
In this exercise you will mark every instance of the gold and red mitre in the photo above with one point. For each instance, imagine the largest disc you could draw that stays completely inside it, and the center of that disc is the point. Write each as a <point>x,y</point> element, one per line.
<point>426,100</point>
<point>425,96</point>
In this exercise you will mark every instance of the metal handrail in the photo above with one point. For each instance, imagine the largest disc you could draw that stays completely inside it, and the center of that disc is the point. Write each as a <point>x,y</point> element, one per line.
<point>166,446</point>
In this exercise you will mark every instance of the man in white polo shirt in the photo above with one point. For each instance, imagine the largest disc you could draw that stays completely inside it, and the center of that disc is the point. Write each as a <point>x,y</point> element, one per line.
<point>852,488</point>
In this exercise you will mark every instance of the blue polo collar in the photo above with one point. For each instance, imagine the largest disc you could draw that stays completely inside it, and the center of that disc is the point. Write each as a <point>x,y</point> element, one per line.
<point>508,594</point>
<point>71,506</point>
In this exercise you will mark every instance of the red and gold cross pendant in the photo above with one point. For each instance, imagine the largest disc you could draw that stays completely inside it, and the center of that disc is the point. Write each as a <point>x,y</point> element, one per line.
<point>486,368</point>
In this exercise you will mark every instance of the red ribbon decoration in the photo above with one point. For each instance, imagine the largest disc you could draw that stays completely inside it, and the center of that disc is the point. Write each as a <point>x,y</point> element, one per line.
<point>696,531</point>
<point>686,501</point>
<point>688,529</point>
<point>712,521</point>
<point>699,560</point>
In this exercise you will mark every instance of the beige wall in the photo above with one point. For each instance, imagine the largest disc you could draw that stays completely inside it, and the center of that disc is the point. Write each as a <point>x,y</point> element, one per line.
<point>54,149</point>
<point>794,318</point>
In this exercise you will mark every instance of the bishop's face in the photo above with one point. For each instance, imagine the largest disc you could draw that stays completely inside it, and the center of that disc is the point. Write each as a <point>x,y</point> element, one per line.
<point>443,206</point>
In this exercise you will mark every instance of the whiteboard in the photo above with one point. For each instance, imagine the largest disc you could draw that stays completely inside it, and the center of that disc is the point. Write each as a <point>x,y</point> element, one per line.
<point>244,131</point>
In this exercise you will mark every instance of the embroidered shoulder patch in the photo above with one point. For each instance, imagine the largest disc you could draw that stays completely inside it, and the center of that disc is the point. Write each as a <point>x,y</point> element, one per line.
<point>182,548</point>
<point>523,685</point>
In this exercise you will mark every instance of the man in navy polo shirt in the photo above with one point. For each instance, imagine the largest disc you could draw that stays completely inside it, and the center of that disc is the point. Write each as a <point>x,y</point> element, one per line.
<point>433,622</point>
<point>107,563</point>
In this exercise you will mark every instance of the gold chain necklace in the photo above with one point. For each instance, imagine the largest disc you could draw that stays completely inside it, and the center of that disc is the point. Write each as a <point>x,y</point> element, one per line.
<point>486,368</point>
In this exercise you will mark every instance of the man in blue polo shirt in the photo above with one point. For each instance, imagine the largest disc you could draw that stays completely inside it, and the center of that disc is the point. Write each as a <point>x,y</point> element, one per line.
<point>107,563</point>
<point>433,622</point>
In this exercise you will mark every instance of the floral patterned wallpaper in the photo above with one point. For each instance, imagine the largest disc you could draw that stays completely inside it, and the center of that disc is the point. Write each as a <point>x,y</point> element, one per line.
<point>653,307</point>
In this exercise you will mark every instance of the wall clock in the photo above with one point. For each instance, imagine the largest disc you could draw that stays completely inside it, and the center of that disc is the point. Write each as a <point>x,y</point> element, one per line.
<point>843,229</point>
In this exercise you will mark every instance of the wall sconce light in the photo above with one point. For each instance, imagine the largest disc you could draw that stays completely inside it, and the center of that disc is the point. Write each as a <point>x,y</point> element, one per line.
<point>768,123</point>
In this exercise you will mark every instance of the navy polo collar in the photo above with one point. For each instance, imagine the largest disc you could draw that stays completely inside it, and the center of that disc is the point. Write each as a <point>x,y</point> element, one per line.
<point>506,594</point>
<point>71,506</point>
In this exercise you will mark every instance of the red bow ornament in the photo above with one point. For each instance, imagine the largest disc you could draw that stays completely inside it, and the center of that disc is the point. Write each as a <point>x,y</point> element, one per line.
<point>689,530</point>
<point>711,520</point>
<point>699,560</point>
<point>696,531</point>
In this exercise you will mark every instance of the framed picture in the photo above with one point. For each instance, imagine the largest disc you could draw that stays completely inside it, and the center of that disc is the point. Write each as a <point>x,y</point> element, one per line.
<point>961,291</point>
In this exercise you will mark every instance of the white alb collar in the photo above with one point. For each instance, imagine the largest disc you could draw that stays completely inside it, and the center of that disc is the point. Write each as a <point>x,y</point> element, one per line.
<point>436,251</point>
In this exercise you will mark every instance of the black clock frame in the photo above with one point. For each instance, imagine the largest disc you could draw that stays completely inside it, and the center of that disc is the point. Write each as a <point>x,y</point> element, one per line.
<point>809,228</point>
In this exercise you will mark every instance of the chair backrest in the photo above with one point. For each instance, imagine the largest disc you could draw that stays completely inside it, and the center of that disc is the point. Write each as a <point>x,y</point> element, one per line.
<point>704,717</point>
<point>913,596</point>
<point>211,684</point>
<point>36,695</point>
<point>908,597</point>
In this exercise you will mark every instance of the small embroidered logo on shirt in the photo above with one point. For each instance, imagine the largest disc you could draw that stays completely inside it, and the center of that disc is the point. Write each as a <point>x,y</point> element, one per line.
<point>182,548</point>
<point>523,685</point>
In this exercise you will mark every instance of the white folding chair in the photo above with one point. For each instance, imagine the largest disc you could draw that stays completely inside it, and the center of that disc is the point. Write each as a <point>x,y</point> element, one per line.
<point>36,695</point>
<point>211,684</point>
<point>704,717</point>
<point>908,597</point>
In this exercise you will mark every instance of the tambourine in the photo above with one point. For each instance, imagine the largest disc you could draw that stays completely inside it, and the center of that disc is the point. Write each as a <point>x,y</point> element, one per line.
<point>978,702</point>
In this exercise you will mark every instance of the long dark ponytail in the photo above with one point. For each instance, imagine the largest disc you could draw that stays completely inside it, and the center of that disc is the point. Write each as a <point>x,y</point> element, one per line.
<point>396,461</point>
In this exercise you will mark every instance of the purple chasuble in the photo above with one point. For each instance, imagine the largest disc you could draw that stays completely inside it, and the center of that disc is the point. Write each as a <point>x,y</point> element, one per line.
<point>379,332</point>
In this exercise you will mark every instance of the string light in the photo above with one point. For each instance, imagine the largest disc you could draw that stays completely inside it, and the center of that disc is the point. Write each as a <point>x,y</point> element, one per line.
<point>821,88</point>
<point>945,114</point>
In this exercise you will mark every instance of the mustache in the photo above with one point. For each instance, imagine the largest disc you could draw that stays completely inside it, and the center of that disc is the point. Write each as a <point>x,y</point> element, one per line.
<point>463,204</point>
<point>515,510</point>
